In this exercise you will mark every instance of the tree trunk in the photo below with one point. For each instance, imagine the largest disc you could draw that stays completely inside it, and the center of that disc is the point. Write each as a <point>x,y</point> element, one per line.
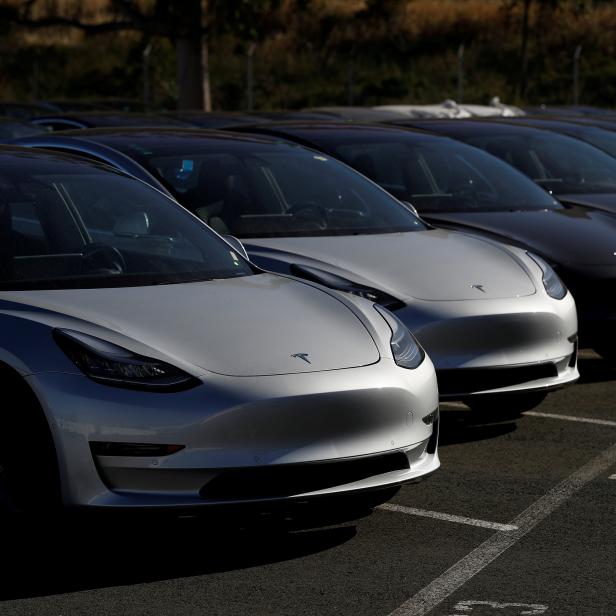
<point>190,94</point>
<point>523,85</point>
<point>206,101</point>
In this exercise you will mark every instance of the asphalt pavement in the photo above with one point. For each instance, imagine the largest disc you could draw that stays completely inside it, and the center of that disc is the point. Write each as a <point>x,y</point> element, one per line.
<point>519,520</point>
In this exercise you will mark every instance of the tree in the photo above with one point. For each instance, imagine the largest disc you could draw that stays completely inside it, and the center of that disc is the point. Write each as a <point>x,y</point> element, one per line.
<point>527,6</point>
<point>191,25</point>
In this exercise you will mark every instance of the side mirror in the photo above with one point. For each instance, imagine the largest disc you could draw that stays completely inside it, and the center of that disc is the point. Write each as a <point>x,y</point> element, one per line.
<point>411,207</point>
<point>236,245</point>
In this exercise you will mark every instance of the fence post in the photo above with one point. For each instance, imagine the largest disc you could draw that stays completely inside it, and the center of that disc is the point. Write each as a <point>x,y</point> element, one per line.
<point>576,75</point>
<point>250,52</point>
<point>460,96</point>
<point>145,54</point>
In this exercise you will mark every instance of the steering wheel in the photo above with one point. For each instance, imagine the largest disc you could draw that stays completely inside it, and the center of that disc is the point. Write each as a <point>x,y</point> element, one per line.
<point>100,258</point>
<point>309,214</point>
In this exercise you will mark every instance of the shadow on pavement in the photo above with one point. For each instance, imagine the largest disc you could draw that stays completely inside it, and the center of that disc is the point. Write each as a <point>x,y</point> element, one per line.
<point>87,554</point>
<point>596,370</point>
<point>465,426</point>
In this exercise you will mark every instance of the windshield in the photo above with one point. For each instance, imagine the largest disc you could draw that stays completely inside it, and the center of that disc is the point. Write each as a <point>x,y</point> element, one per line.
<point>72,225</point>
<point>602,139</point>
<point>439,175</point>
<point>559,163</point>
<point>251,189</point>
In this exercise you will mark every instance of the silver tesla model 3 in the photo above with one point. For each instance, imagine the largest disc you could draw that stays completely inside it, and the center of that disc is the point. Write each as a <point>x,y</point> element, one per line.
<point>497,322</point>
<point>146,363</point>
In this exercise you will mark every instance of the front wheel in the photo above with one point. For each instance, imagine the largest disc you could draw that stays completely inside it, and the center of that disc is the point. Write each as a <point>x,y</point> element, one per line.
<point>505,405</point>
<point>29,481</point>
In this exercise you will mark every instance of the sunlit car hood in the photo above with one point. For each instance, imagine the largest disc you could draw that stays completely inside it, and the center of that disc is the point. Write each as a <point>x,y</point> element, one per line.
<point>242,327</point>
<point>435,265</point>
<point>569,236</point>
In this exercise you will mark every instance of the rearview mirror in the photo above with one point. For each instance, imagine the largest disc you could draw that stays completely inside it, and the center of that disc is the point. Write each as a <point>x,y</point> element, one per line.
<point>134,224</point>
<point>236,245</point>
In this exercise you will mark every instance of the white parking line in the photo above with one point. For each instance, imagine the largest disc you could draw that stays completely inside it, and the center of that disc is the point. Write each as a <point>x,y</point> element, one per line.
<point>590,420</point>
<point>527,609</point>
<point>468,567</point>
<point>447,517</point>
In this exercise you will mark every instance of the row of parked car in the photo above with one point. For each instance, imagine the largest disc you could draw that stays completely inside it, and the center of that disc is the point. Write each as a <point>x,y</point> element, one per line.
<point>291,348</point>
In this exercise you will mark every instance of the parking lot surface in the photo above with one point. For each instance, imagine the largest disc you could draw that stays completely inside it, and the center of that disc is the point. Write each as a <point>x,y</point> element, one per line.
<point>519,520</point>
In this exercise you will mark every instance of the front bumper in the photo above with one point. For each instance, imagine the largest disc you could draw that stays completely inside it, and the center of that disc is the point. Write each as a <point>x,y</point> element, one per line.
<point>497,346</point>
<point>240,423</point>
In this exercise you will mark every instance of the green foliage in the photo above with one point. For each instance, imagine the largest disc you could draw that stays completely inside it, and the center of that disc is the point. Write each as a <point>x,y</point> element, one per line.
<point>308,53</point>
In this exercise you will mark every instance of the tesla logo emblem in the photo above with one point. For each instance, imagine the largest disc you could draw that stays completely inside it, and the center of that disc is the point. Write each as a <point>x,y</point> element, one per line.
<point>479,287</point>
<point>303,356</point>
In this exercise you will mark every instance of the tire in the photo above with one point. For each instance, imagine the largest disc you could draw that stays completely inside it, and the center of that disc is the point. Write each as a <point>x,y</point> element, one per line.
<point>29,478</point>
<point>505,405</point>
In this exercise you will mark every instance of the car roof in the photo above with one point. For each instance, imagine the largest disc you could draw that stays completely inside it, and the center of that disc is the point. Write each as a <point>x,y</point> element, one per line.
<point>320,129</point>
<point>18,154</point>
<point>572,111</point>
<point>110,118</point>
<point>358,114</point>
<point>152,135</point>
<point>476,128</point>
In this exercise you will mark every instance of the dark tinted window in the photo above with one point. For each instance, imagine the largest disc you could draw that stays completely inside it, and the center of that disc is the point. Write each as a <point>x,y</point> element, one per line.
<point>74,225</point>
<point>602,139</point>
<point>557,162</point>
<point>252,189</point>
<point>439,174</point>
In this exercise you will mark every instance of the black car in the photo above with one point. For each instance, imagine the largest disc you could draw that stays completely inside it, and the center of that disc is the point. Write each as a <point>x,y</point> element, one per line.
<point>12,128</point>
<point>575,111</point>
<point>355,114</point>
<point>575,172</point>
<point>225,119</point>
<point>22,111</point>
<point>454,185</point>
<point>599,137</point>
<point>604,122</point>
<point>98,119</point>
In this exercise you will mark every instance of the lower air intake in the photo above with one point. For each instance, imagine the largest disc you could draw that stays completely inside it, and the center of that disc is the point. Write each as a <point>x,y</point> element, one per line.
<point>467,380</point>
<point>292,479</point>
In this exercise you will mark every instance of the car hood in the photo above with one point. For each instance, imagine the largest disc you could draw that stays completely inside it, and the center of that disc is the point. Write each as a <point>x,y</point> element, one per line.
<point>601,201</point>
<point>239,327</point>
<point>435,265</point>
<point>569,236</point>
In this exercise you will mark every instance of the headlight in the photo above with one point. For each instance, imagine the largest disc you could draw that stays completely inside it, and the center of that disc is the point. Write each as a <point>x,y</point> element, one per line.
<point>554,286</point>
<point>342,284</point>
<point>406,350</point>
<point>113,365</point>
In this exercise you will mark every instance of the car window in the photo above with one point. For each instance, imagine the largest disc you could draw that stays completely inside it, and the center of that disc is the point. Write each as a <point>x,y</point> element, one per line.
<point>438,175</point>
<point>559,163</point>
<point>264,190</point>
<point>601,139</point>
<point>83,227</point>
